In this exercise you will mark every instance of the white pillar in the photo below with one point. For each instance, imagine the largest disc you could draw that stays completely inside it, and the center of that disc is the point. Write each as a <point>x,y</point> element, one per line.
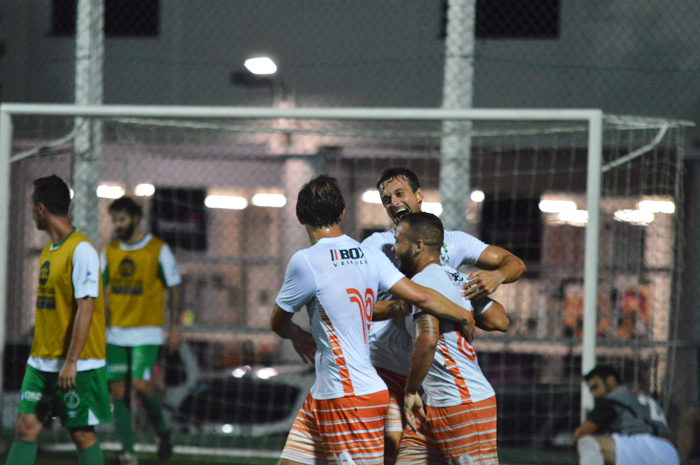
<point>457,94</point>
<point>5,153</point>
<point>590,266</point>
<point>89,53</point>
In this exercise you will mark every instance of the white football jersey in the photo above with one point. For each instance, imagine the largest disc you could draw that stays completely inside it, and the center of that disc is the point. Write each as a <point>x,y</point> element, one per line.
<point>338,280</point>
<point>454,377</point>
<point>390,344</point>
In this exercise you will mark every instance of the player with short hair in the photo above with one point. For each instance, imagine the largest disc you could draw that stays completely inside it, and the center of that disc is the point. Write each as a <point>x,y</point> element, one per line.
<point>624,427</point>
<point>458,422</point>
<point>390,343</point>
<point>337,279</point>
<point>138,271</point>
<point>66,374</point>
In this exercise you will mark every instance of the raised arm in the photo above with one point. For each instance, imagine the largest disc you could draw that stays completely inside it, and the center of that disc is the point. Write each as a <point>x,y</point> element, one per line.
<point>496,266</point>
<point>434,303</point>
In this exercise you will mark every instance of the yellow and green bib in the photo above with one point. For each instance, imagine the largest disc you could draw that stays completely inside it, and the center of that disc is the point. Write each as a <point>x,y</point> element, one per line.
<point>135,284</point>
<point>56,306</point>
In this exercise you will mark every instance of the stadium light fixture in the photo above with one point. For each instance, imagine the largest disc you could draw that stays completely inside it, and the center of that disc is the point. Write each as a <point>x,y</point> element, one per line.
<point>557,206</point>
<point>657,206</point>
<point>478,196</point>
<point>110,192</point>
<point>144,190</point>
<point>432,207</point>
<point>227,429</point>
<point>240,372</point>
<point>260,65</point>
<point>269,200</point>
<point>638,217</point>
<point>226,202</point>
<point>371,196</point>
<point>573,217</point>
<point>266,373</point>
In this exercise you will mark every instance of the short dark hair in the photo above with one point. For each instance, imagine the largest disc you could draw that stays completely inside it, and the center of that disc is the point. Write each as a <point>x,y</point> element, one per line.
<point>320,203</point>
<point>53,192</point>
<point>602,371</point>
<point>127,205</point>
<point>399,172</point>
<point>424,226</point>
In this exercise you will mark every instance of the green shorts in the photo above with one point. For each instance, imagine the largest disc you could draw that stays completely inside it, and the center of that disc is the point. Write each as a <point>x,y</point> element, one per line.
<point>86,405</point>
<point>137,361</point>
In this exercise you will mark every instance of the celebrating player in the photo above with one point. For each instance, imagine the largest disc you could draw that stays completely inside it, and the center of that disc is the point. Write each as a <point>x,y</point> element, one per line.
<point>458,423</point>
<point>66,373</point>
<point>138,270</point>
<point>640,433</point>
<point>342,419</point>
<point>390,343</point>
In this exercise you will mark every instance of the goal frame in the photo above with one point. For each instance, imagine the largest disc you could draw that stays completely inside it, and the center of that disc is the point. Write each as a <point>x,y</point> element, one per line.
<point>592,117</point>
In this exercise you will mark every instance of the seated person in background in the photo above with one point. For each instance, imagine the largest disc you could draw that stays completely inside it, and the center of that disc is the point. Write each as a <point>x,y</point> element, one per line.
<point>624,427</point>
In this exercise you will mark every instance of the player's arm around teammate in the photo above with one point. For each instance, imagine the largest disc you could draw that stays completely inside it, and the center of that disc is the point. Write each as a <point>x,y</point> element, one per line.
<point>496,266</point>
<point>493,318</point>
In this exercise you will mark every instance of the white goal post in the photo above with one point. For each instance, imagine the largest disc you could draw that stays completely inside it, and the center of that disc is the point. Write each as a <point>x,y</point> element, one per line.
<point>592,123</point>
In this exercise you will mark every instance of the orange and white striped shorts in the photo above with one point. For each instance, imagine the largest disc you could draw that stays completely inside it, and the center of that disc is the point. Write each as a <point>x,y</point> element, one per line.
<point>448,433</point>
<point>325,429</point>
<point>397,385</point>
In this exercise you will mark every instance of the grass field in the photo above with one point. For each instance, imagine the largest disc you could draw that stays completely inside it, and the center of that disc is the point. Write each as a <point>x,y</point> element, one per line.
<point>507,457</point>
<point>247,446</point>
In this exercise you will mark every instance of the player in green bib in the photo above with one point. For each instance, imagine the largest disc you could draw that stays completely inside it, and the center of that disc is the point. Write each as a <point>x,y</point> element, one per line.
<point>66,374</point>
<point>138,270</point>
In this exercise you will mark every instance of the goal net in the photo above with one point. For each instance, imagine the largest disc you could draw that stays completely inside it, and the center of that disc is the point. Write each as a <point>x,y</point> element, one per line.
<point>221,191</point>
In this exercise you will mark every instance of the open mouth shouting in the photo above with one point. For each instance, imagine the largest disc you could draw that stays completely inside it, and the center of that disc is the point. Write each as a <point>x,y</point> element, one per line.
<point>401,211</point>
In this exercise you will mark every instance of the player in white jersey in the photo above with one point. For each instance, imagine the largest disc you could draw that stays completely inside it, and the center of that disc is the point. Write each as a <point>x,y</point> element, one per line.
<point>458,423</point>
<point>390,343</point>
<point>337,279</point>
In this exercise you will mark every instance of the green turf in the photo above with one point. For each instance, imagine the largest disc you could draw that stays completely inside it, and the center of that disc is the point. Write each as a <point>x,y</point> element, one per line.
<point>65,458</point>
<point>506,456</point>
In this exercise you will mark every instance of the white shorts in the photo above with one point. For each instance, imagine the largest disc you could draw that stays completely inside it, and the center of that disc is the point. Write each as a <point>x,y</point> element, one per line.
<point>644,449</point>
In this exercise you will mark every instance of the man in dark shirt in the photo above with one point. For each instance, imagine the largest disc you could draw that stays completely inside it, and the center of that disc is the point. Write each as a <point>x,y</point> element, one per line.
<point>624,427</point>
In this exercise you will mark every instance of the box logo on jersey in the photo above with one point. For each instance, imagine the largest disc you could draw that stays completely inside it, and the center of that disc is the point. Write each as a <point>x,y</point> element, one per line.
<point>354,256</point>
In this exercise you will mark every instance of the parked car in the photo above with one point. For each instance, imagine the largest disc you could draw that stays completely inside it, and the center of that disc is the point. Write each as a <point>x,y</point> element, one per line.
<point>256,400</point>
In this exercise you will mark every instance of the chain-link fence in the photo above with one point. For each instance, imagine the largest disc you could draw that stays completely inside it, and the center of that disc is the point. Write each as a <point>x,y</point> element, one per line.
<point>622,56</point>
<point>626,57</point>
<point>222,194</point>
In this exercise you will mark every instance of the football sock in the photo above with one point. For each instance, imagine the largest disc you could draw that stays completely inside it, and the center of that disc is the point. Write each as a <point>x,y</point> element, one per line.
<point>91,456</point>
<point>122,422</point>
<point>22,452</point>
<point>155,414</point>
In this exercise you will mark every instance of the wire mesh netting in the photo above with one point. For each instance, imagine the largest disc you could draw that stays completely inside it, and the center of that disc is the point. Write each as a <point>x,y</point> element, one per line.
<point>222,194</point>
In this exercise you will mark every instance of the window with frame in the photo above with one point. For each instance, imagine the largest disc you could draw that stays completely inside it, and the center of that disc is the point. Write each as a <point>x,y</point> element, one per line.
<point>513,19</point>
<point>122,18</point>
